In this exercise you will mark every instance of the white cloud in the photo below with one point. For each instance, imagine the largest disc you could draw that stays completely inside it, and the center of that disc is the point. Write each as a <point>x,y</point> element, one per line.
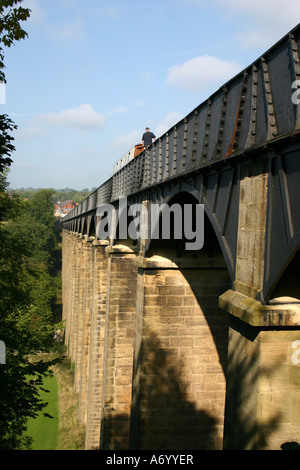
<point>125,142</point>
<point>169,121</point>
<point>256,38</point>
<point>31,132</point>
<point>199,73</point>
<point>271,19</point>
<point>265,10</point>
<point>119,109</point>
<point>82,118</point>
<point>110,12</point>
<point>70,31</point>
<point>87,153</point>
<point>260,22</point>
<point>147,76</point>
<point>37,14</point>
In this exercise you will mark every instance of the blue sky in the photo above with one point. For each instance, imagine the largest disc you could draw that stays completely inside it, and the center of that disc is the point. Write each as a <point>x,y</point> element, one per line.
<point>93,74</point>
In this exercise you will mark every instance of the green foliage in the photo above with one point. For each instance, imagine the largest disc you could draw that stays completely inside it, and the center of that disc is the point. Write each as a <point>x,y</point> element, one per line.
<point>28,291</point>
<point>6,147</point>
<point>11,15</point>
<point>41,207</point>
<point>65,194</point>
<point>19,399</point>
<point>72,194</point>
<point>27,242</point>
<point>8,204</point>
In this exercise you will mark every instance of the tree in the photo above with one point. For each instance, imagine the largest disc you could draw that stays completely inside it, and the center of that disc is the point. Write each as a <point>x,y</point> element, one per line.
<point>11,16</point>
<point>26,287</point>
<point>42,207</point>
<point>6,147</point>
<point>32,227</point>
<point>27,290</point>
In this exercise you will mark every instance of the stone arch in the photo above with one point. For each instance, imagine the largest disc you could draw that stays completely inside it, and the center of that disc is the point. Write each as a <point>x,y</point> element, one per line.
<point>214,245</point>
<point>128,242</point>
<point>183,328</point>
<point>211,258</point>
<point>214,229</point>
<point>91,231</point>
<point>171,247</point>
<point>84,227</point>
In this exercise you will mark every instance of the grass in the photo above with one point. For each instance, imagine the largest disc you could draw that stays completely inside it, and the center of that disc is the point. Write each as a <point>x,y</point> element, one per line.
<point>44,429</point>
<point>62,431</point>
<point>71,434</point>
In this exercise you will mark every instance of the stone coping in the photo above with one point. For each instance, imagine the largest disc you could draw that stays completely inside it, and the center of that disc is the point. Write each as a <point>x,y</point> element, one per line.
<point>279,312</point>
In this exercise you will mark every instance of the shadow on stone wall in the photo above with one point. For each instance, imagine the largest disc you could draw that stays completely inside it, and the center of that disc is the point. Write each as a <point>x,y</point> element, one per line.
<point>162,418</point>
<point>167,418</point>
<point>115,430</point>
<point>242,430</point>
<point>207,294</point>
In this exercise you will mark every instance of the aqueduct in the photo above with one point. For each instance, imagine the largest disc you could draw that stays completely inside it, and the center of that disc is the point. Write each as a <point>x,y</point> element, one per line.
<point>197,349</point>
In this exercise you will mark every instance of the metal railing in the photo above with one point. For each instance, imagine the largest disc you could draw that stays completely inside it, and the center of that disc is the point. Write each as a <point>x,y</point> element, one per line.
<point>252,109</point>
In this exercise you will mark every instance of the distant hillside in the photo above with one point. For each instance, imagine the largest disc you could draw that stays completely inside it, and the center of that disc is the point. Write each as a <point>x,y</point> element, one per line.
<point>59,194</point>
